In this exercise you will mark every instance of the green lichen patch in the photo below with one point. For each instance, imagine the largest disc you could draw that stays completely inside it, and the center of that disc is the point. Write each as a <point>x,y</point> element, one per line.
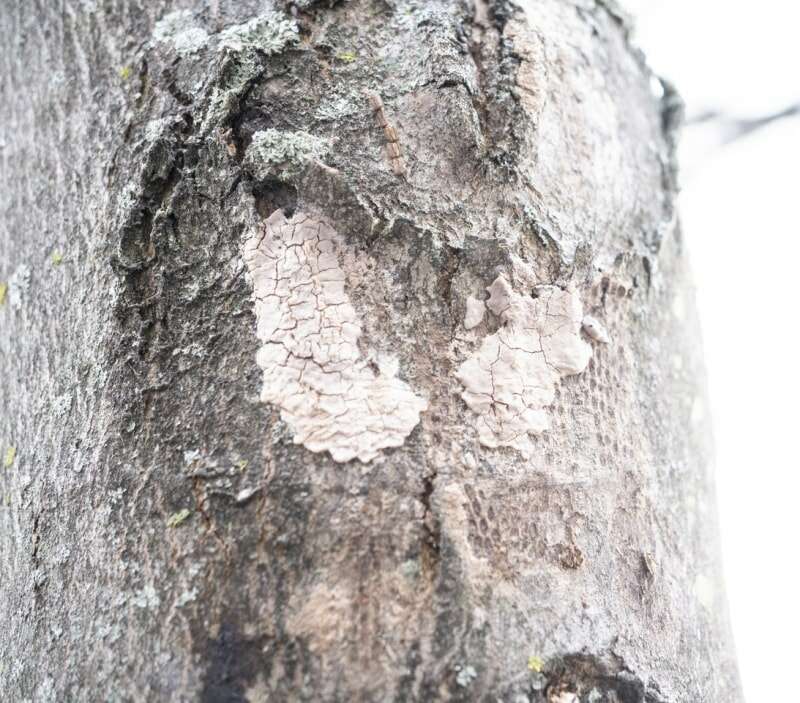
<point>56,258</point>
<point>125,73</point>
<point>236,73</point>
<point>282,154</point>
<point>341,107</point>
<point>410,569</point>
<point>179,30</point>
<point>3,292</point>
<point>178,518</point>
<point>347,56</point>
<point>535,664</point>
<point>241,51</point>
<point>270,32</point>
<point>10,455</point>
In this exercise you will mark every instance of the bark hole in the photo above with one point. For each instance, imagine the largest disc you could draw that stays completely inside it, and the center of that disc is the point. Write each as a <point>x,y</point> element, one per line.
<point>275,195</point>
<point>593,678</point>
<point>232,663</point>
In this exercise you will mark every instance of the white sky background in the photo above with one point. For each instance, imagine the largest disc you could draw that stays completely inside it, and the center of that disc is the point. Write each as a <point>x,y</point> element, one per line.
<point>739,209</point>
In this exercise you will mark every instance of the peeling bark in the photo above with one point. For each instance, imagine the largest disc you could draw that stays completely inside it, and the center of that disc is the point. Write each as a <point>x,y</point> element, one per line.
<point>166,535</point>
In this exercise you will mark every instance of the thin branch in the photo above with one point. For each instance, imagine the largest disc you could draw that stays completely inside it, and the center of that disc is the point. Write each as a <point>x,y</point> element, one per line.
<point>736,128</point>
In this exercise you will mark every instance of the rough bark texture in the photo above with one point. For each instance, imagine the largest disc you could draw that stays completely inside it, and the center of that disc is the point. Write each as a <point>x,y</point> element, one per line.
<point>167,535</point>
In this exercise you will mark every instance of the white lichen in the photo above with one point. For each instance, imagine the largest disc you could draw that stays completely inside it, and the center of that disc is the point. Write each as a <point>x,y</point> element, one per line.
<point>465,675</point>
<point>178,30</point>
<point>476,309</point>
<point>246,494</point>
<point>282,153</point>
<point>62,405</point>
<point>270,32</point>
<point>328,394</point>
<point>511,380</point>
<point>186,597</point>
<point>18,286</point>
<point>191,457</point>
<point>157,129</point>
<point>146,598</point>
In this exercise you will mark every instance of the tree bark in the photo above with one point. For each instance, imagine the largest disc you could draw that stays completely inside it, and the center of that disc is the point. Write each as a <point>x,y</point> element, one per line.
<point>253,451</point>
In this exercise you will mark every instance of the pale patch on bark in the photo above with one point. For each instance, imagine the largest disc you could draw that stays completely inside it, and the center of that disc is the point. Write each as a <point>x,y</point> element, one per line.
<point>595,329</point>
<point>323,618</point>
<point>705,591</point>
<point>313,369</point>
<point>565,697</point>
<point>511,380</point>
<point>475,312</point>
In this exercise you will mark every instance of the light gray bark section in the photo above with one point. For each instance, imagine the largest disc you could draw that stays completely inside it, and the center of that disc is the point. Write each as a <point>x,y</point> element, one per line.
<point>532,140</point>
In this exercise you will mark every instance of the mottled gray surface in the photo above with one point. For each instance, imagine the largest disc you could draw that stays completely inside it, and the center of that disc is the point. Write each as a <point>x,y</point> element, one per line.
<point>533,141</point>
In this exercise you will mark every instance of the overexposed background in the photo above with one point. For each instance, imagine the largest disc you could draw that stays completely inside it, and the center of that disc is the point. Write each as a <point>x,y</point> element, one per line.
<point>739,207</point>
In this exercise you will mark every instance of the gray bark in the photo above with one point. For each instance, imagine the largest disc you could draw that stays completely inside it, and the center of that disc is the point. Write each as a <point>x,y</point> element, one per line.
<point>165,534</point>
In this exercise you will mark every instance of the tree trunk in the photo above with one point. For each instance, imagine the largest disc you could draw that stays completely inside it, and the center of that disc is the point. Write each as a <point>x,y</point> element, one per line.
<point>348,354</point>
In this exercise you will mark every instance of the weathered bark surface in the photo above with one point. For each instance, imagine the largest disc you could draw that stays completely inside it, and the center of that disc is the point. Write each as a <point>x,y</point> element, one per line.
<point>147,149</point>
